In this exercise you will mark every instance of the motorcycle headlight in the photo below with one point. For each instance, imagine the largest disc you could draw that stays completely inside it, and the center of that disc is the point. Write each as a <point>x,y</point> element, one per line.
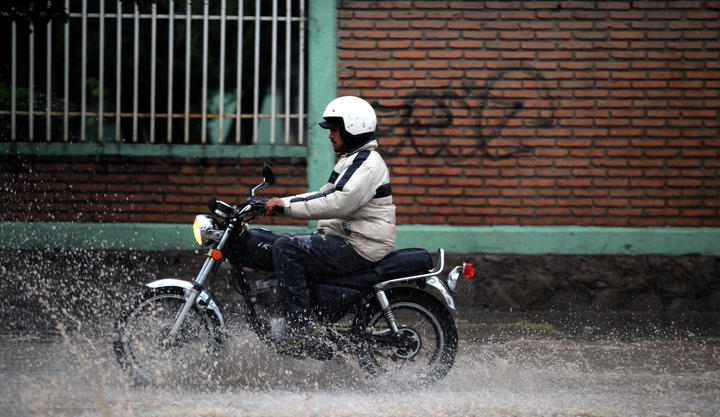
<point>202,225</point>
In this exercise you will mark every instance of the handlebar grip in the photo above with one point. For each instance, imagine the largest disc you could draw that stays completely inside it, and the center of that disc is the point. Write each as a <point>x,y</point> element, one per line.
<point>260,206</point>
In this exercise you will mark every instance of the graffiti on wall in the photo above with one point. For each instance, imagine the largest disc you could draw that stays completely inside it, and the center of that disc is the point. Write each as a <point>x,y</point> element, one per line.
<point>484,119</point>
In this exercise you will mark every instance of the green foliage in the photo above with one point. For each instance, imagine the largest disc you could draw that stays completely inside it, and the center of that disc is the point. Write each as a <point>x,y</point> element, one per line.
<point>33,11</point>
<point>22,103</point>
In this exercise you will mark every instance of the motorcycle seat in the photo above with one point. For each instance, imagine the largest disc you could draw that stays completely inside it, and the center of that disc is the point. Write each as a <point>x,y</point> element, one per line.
<point>397,264</point>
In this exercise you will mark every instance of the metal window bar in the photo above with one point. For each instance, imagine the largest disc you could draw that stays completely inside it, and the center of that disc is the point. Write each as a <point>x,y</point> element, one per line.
<point>171,56</point>
<point>31,86</point>
<point>301,76</point>
<point>66,76</point>
<point>188,26</point>
<point>13,80</point>
<point>273,73</point>
<point>118,70</point>
<point>48,81</point>
<point>221,104</point>
<point>136,52</point>
<point>203,97</point>
<point>288,40</point>
<point>101,71</point>
<point>153,53</point>
<point>83,76</point>
<point>256,73</point>
<point>239,72</point>
<point>136,119</point>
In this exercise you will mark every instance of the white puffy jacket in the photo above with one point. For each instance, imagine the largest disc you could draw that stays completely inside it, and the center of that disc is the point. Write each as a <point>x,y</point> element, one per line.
<point>355,204</point>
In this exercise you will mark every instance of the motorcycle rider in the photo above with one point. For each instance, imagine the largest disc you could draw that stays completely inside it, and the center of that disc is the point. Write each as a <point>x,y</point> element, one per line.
<point>355,211</point>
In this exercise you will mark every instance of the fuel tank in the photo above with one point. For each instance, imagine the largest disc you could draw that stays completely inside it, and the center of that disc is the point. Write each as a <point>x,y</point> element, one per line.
<point>253,249</point>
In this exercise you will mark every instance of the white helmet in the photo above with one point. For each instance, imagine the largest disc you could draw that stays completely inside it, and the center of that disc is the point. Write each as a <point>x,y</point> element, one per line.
<point>357,115</point>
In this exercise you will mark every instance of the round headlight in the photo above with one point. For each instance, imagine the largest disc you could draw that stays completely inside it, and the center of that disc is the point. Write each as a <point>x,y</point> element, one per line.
<point>202,224</point>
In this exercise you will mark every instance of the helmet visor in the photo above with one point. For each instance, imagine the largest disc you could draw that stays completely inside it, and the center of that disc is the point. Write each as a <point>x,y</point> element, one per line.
<point>331,122</point>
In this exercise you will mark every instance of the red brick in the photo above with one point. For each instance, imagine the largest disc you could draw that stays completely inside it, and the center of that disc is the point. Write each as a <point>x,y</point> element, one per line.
<point>631,100</point>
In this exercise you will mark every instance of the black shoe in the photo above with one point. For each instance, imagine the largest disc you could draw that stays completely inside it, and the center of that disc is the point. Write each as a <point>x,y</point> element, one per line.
<point>288,334</point>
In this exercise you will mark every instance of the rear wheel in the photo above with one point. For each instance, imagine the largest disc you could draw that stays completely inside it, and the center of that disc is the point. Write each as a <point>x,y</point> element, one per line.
<point>424,349</point>
<point>145,349</point>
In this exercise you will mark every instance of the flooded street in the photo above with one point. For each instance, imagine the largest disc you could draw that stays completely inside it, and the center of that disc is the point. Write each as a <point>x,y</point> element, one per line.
<point>56,358</point>
<point>506,366</point>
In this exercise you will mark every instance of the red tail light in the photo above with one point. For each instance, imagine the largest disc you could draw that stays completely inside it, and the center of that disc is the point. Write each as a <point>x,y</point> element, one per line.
<point>468,271</point>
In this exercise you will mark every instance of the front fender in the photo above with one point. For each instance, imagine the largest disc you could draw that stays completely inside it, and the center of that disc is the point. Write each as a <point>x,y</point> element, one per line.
<point>204,299</point>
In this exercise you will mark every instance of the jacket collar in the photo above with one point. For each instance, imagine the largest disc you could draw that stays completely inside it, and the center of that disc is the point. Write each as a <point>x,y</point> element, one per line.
<point>370,145</point>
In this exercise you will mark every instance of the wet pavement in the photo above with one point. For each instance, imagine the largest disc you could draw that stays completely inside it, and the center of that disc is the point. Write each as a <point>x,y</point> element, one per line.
<point>56,358</point>
<point>539,364</point>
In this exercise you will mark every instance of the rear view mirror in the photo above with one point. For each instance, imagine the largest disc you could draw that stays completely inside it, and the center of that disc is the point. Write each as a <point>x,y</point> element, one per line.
<point>268,174</point>
<point>268,179</point>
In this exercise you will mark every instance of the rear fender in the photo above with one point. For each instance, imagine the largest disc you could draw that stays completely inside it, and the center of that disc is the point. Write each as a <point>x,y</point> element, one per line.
<point>431,285</point>
<point>439,291</point>
<point>428,282</point>
<point>204,300</point>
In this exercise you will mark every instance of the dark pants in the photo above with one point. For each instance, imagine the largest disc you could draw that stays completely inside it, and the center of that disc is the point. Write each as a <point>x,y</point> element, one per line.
<point>298,258</point>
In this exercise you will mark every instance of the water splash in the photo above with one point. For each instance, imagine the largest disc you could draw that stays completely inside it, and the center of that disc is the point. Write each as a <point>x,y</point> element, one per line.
<point>56,358</point>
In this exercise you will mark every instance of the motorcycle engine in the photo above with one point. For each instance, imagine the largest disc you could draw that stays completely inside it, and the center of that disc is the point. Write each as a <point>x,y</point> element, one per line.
<point>267,296</point>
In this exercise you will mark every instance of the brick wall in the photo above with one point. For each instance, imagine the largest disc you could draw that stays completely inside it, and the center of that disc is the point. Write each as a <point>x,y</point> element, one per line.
<point>490,113</point>
<point>542,112</point>
<point>132,189</point>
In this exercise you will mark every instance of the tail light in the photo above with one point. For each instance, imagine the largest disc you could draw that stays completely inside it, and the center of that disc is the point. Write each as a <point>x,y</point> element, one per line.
<point>466,270</point>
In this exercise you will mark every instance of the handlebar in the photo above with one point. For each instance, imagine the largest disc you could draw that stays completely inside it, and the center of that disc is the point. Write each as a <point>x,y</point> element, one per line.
<point>246,211</point>
<point>257,207</point>
<point>258,204</point>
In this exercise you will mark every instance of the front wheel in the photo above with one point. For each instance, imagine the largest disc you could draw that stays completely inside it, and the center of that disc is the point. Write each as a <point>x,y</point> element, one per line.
<point>423,351</point>
<point>145,349</point>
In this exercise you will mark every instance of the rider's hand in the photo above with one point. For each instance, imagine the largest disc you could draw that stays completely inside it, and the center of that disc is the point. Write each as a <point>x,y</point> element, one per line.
<point>274,205</point>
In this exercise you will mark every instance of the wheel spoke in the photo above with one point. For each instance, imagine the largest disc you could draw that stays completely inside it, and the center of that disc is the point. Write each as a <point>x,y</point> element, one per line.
<point>424,341</point>
<point>147,348</point>
<point>420,323</point>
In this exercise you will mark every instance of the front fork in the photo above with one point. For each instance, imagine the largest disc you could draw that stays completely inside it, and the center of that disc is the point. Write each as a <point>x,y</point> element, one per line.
<point>192,294</point>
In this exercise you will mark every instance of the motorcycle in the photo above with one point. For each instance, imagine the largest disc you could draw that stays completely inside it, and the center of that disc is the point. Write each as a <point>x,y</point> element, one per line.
<point>394,319</point>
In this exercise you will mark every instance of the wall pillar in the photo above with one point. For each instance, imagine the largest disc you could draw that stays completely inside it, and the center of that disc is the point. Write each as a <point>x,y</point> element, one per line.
<point>322,88</point>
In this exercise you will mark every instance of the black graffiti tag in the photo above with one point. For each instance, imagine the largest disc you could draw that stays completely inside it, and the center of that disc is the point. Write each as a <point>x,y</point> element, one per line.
<point>483,110</point>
